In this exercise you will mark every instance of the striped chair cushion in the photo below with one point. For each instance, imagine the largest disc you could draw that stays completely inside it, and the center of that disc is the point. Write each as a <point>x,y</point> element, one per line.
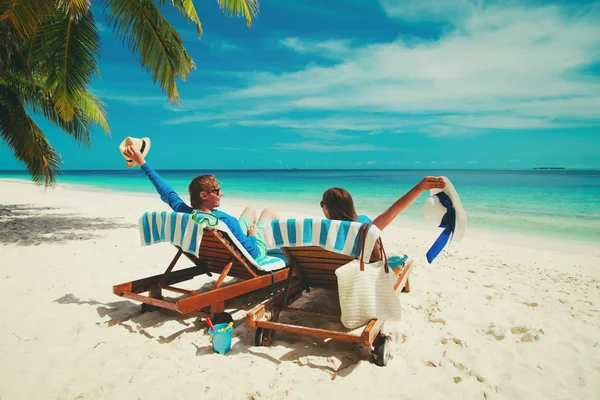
<point>181,230</point>
<point>337,236</point>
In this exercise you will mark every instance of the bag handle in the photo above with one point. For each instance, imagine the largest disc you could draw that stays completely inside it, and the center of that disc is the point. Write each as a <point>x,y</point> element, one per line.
<point>362,241</point>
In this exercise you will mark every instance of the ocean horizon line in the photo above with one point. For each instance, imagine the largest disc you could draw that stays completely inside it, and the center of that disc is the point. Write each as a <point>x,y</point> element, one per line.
<point>536,169</point>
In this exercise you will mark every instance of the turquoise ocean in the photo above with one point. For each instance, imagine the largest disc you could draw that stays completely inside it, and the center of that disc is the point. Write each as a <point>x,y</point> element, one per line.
<point>556,203</point>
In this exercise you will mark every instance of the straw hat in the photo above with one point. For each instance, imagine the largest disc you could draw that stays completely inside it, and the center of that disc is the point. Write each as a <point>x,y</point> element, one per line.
<point>444,209</point>
<point>143,145</point>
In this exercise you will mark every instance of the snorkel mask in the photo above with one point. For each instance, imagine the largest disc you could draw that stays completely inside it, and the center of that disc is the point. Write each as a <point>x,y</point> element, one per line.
<point>210,219</point>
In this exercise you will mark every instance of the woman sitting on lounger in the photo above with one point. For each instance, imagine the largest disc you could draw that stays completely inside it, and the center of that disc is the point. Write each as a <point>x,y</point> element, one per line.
<point>337,203</point>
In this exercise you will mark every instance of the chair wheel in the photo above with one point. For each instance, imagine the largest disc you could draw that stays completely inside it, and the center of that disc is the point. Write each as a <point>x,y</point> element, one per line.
<point>222,318</point>
<point>258,337</point>
<point>381,351</point>
<point>263,337</point>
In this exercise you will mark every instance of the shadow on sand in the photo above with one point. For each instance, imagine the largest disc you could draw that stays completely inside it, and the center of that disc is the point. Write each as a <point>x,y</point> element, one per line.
<point>333,357</point>
<point>27,225</point>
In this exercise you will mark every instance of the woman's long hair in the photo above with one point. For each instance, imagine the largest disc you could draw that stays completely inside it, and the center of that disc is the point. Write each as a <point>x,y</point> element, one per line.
<point>339,204</point>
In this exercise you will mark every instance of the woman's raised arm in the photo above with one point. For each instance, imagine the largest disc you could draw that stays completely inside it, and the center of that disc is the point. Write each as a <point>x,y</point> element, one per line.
<point>428,183</point>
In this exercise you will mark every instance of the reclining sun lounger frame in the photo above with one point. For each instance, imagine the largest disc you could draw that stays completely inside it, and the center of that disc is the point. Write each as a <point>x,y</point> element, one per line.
<point>314,267</point>
<point>218,255</point>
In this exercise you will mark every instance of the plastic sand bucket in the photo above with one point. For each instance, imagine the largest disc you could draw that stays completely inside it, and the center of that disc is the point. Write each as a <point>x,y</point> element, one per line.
<point>221,337</point>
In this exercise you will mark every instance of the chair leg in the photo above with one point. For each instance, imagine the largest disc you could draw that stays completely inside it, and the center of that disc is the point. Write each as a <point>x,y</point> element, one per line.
<point>407,285</point>
<point>217,308</point>
<point>155,293</point>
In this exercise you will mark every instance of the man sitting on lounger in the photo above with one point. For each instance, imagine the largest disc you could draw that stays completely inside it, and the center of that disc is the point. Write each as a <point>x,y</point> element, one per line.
<point>205,196</point>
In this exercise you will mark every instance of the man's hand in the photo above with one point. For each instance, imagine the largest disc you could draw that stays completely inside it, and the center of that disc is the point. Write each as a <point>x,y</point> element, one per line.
<point>252,230</point>
<point>134,155</point>
<point>431,182</point>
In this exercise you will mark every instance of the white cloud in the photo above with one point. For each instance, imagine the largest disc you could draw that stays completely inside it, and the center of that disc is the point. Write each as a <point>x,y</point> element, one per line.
<point>226,46</point>
<point>328,48</point>
<point>320,147</point>
<point>135,99</point>
<point>358,124</point>
<point>429,10</point>
<point>515,67</point>
<point>209,39</point>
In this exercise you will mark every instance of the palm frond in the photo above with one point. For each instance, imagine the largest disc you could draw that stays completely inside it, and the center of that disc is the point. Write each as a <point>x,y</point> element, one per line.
<point>187,8</point>
<point>26,140</point>
<point>78,127</point>
<point>74,9</point>
<point>93,110</point>
<point>11,46</point>
<point>244,8</point>
<point>25,15</point>
<point>153,40</point>
<point>89,109</point>
<point>65,48</point>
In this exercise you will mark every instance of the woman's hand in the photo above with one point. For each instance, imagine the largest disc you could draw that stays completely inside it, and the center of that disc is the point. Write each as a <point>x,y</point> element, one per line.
<point>252,230</point>
<point>134,155</point>
<point>431,182</point>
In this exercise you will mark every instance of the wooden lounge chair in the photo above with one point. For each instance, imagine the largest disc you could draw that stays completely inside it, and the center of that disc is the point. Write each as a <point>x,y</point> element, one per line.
<point>212,251</point>
<point>315,249</point>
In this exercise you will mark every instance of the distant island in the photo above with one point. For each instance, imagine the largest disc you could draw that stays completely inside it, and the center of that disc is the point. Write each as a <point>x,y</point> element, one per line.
<point>549,168</point>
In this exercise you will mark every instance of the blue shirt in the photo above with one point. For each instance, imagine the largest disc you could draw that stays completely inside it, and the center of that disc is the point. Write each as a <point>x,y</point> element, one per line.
<point>364,219</point>
<point>169,196</point>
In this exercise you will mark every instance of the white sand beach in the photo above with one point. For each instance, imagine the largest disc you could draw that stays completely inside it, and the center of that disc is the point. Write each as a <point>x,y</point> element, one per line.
<point>494,317</point>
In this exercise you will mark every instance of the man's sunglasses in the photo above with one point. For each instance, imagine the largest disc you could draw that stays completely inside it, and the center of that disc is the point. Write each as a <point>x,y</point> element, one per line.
<point>321,204</point>
<point>216,191</point>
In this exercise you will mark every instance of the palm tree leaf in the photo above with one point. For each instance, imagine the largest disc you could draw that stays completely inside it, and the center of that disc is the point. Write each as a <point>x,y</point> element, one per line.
<point>153,40</point>
<point>245,8</point>
<point>188,10</point>
<point>65,48</point>
<point>78,127</point>
<point>26,140</point>
<point>89,110</point>
<point>25,15</point>
<point>11,45</point>
<point>93,110</point>
<point>74,9</point>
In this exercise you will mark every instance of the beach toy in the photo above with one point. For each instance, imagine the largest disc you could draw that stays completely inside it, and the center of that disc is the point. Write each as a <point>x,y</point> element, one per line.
<point>210,324</point>
<point>229,326</point>
<point>221,337</point>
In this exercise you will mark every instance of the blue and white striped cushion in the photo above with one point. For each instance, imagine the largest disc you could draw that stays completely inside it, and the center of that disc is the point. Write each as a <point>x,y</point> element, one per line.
<point>337,236</point>
<point>181,230</point>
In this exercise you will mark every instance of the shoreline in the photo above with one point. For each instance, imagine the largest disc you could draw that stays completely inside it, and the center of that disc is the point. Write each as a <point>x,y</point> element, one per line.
<point>234,206</point>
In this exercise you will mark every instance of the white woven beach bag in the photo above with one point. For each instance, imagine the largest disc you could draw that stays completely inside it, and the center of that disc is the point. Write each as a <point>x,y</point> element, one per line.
<point>366,290</point>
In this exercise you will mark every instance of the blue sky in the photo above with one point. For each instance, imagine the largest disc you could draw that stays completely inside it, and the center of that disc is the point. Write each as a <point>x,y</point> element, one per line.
<point>362,84</point>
